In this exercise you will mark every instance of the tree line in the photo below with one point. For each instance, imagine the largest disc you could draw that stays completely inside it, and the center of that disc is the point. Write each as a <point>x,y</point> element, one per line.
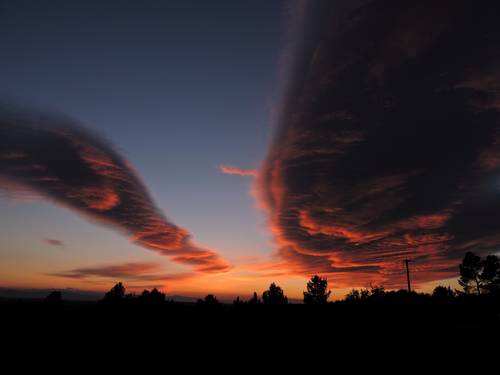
<point>477,277</point>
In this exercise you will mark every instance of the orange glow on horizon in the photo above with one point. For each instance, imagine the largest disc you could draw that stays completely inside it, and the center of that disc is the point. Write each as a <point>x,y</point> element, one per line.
<point>226,287</point>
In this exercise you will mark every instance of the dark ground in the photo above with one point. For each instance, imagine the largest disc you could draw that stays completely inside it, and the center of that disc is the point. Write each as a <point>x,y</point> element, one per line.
<point>412,312</point>
<point>185,337</point>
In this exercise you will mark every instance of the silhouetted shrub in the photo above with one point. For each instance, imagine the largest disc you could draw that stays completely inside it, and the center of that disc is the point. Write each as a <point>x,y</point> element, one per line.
<point>443,293</point>
<point>238,302</point>
<point>153,297</point>
<point>210,302</point>
<point>353,295</point>
<point>377,291</point>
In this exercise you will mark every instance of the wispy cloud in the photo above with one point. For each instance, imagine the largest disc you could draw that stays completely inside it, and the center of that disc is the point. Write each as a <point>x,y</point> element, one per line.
<point>229,169</point>
<point>126,271</point>
<point>53,242</point>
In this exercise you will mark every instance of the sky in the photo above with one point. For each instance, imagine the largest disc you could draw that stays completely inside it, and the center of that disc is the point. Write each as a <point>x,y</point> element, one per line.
<point>178,87</point>
<point>215,147</point>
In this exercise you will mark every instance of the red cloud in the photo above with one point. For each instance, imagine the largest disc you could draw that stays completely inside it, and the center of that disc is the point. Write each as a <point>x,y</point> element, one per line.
<point>228,169</point>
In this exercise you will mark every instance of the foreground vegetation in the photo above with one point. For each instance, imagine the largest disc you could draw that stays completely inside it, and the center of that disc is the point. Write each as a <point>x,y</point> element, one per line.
<point>478,304</point>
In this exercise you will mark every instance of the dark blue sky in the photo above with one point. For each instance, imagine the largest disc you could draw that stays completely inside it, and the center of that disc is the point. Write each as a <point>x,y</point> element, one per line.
<point>178,74</point>
<point>178,87</point>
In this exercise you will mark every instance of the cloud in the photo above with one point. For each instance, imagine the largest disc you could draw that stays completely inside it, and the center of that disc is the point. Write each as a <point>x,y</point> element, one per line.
<point>229,169</point>
<point>126,271</point>
<point>61,161</point>
<point>387,144</point>
<point>53,242</point>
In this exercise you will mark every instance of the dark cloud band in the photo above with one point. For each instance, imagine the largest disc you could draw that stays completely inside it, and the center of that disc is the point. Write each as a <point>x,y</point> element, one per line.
<point>388,145</point>
<point>56,158</point>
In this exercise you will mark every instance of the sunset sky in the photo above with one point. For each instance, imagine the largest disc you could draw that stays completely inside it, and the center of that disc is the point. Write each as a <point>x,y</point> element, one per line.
<point>218,146</point>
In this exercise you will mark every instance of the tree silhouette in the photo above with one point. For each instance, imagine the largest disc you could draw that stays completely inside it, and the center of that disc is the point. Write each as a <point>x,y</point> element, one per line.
<point>274,296</point>
<point>478,276</point>
<point>316,291</point>
<point>470,273</point>
<point>490,276</point>
<point>254,300</point>
<point>116,293</point>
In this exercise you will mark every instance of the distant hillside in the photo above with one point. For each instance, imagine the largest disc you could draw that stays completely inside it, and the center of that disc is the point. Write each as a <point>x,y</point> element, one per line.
<point>67,294</point>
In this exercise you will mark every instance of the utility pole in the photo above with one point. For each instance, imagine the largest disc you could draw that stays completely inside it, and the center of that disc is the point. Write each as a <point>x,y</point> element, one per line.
<point>408,274</point>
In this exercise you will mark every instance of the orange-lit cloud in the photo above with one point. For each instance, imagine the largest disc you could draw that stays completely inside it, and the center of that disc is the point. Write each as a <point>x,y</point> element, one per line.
<point>229,169</point>
<point>130,272</point>
<point>387,144</point>
<point>62,162</point>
